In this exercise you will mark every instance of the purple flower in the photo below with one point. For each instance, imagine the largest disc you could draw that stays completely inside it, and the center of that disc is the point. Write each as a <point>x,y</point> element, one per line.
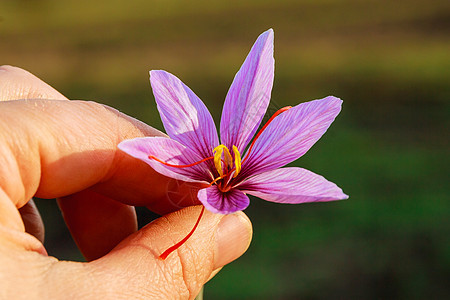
<point>230,170</point>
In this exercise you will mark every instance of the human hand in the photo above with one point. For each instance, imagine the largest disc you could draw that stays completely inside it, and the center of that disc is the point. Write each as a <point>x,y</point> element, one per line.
<point>68,150</point>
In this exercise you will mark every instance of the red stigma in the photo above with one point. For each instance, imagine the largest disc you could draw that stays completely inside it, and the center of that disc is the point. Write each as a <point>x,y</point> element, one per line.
<point>264,128</point>
<point>166,253</point>
<point>179,166</point>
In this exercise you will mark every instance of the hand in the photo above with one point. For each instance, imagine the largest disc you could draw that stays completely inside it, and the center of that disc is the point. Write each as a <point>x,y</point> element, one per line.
<point>68,150</point>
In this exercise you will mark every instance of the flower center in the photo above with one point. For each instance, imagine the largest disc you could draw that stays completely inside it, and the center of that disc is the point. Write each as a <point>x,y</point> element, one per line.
<point>223,160</point>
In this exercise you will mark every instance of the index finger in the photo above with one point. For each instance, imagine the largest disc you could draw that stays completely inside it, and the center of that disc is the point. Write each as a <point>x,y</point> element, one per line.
<point>71,146</point>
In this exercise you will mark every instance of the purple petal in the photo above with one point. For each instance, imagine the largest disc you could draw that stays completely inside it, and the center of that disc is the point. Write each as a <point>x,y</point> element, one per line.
<point>291,134</point>
<point>292,185</point>
<point>169,151</point>
<point>185,117</point>
<point>249,94</point>
<point>223,203</point>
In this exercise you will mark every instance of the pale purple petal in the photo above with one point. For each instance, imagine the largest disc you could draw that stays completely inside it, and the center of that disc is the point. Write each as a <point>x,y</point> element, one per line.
<point>292,185</point>
<point>249,94</point>
<point>223,203</point>
<point>185,117</point>
<point>291,134</point>
<point>169,151</point>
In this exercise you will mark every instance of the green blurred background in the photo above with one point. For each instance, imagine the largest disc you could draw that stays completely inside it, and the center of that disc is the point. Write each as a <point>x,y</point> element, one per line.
<point>388,149</point>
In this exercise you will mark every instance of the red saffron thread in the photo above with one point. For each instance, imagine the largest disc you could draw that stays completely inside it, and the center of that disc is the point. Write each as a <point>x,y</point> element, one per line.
<point>264,128</point>
<point>179,166</point>
<point>166,253</point>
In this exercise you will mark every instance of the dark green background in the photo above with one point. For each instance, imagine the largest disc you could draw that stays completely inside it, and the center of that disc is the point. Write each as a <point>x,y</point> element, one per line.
<point>388,149</point>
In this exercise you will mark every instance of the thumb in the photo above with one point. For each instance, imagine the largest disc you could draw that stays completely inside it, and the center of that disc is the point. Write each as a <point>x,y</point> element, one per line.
<point>133,267</point>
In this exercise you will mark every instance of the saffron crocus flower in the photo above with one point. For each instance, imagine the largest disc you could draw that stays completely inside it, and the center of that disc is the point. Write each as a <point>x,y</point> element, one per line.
<point>230,170</point>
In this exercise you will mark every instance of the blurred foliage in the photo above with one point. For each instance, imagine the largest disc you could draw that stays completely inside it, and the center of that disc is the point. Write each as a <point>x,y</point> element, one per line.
<point>389,62</point>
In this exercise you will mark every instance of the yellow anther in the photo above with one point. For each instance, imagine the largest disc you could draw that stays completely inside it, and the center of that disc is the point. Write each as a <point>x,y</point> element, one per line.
<point>218,158</point>
<point>237,160</point>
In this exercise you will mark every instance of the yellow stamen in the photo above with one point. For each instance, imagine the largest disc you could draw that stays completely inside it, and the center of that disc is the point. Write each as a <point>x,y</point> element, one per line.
<point>218,158</point>
<point>237,160</point>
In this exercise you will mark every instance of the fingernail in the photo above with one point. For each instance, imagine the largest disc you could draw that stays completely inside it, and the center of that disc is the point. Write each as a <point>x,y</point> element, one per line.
<point>233,237</point>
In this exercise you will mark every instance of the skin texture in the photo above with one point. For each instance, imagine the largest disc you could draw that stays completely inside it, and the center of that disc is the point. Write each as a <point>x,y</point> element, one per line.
<point>51,147</point>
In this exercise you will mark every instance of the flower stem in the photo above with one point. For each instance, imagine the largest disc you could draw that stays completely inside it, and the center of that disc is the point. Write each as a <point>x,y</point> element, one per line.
<point>200,294</point>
